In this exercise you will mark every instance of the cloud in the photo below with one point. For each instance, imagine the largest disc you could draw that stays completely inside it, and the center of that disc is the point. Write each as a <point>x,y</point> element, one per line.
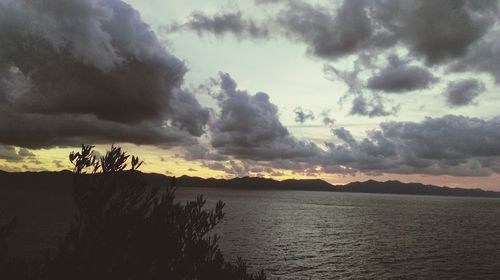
<point>371,107</point>
<point>363,104</point>
<point>463,92</point>
<point>197,152</point>
<point>326,118</point>
<point>328,35</point>
<point>11,154</point>
<point>238,168</point>
<point>437,31</point>
<point>58,163</point>
<point>25,152</point>
<point>248,126</point>
<point>41,130</point>
<point>482,57</point>
<point>89,71</point>
<point>399,77</point>
<point>302,116</point>
<point>220,24</point>
<point>267,1</point>
<point>427,28</point>
<point>467,147</point>
<point>344,135</point>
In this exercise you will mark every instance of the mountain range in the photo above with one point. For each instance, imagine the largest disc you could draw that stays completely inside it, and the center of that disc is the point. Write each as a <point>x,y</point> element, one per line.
<point>64,178</point>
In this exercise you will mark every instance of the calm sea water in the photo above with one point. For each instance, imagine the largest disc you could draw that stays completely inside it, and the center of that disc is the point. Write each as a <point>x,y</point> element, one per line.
<point>317,235</point>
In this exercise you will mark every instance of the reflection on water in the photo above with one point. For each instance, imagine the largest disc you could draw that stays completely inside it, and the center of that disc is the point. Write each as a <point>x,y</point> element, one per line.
<point>294,234</point>
<point>315,235</point>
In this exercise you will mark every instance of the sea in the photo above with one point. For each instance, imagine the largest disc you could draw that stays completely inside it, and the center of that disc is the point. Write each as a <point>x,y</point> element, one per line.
<point>313,235</point>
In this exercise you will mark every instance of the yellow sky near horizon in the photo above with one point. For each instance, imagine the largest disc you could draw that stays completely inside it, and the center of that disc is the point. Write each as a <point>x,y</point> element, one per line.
<point>168,162</point>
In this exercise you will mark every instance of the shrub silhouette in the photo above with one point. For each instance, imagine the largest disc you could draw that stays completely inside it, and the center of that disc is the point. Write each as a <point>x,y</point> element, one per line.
<point>125,229</point>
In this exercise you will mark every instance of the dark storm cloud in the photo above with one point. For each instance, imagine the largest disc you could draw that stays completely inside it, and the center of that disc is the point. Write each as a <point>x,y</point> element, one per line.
<point>221,24</point>
<point>302,116</point>
<point>89,71</point>
<point>41,131</point>
<point>248,126</point>
<point>400,77</point>
<point>463,92</point>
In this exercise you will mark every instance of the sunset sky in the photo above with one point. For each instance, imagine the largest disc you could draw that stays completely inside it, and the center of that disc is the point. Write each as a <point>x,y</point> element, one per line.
<point>339,90</point>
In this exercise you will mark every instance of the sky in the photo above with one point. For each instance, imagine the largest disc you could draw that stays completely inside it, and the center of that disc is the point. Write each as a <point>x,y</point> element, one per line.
<point>339,90</point>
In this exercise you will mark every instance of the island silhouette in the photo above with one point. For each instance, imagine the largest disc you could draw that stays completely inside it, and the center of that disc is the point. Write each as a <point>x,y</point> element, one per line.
<point>64,178</point>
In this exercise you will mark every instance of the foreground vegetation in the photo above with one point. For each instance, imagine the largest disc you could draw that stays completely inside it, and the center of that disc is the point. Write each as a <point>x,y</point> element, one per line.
<point>124,229</point>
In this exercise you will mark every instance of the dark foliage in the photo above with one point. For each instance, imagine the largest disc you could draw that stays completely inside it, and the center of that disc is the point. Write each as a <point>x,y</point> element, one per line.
<point>125,229</point>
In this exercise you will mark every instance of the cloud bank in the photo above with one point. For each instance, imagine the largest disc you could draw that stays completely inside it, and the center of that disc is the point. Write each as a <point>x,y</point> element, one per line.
<point>89,71</point>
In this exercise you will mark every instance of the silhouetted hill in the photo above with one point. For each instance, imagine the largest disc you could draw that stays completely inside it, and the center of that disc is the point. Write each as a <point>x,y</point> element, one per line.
<point>396,187</point>
<point>256,183</point>
<point>64,178</point>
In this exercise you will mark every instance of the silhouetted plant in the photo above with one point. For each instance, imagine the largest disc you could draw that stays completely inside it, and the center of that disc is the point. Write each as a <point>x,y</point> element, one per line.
<point>124,229</point>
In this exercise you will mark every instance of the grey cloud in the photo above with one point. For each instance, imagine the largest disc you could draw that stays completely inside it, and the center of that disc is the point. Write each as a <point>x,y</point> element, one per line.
<point>427,28</point>
<point>222,23</point>
<point>187,113</point>
<point>484,56</point>
<point>302,116</point>
<point>197,152</point>
<point>463,92</point>
<point>373,107</point>
<point>58,163</point>
<point>248,127</point>
<point>9,153</point>
<point>236,168</point>
<point>400,77</point>
<point>268,1</point>
<point>467,147</point>
<point>89,63</point>
<point>25,152</point>
<point>42,131</point>
<point>363,104</point>
<point>338,169</point>
<point>326,118</point>
<point>344,135</point>
<point>328,35</point>
<point>436,30</point>
<point>463,137</point>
